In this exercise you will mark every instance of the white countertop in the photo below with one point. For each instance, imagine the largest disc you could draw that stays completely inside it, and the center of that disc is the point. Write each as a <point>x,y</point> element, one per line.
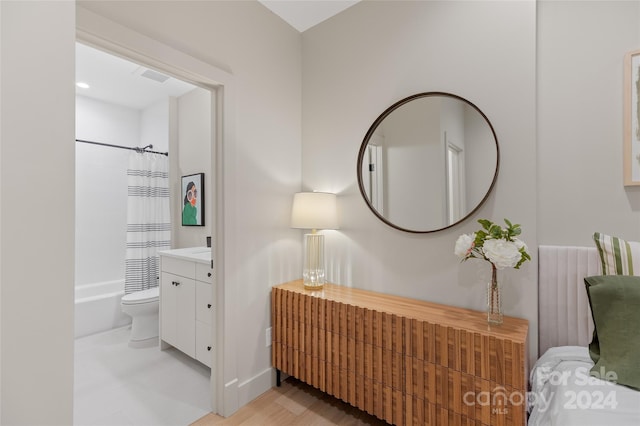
<point>196,254</point>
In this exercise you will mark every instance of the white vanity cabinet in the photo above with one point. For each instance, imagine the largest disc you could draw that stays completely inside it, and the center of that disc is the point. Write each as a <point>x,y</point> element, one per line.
<point>187,302</point>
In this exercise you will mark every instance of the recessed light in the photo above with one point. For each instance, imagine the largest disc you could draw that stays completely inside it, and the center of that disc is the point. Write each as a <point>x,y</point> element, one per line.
<point>82,85</point>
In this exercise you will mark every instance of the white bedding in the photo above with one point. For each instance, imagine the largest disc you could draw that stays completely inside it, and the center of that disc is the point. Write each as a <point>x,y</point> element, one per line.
<point>564,394</point>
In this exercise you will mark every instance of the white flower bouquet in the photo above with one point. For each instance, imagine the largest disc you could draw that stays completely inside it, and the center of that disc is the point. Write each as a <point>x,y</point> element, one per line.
<point>498,246</point>
<point>502,249</point>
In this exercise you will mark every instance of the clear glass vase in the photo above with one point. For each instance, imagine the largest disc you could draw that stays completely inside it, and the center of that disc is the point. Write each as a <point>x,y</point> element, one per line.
<point>494,299</point>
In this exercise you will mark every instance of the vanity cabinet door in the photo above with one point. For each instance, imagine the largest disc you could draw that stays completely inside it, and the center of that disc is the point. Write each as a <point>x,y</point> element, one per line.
<point>204,302</point>
<point>178,312</point>
<point>205,307</point>
<point>204,346</point>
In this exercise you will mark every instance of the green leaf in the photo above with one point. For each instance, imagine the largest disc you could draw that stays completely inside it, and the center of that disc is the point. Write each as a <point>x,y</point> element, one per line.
<point>486,224</point>
<point>480,237</point>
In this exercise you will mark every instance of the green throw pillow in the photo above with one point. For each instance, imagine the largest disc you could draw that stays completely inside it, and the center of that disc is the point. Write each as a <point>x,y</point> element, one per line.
<point>617,256</point>
<point>615,348</point>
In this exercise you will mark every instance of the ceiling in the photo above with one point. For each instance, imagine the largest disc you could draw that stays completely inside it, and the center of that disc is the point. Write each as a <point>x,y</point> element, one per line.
<point>121,82</point>
<point>304,14</point>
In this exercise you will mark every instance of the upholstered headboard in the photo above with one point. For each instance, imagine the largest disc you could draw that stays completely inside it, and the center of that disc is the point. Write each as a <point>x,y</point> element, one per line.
<point>564,316</point>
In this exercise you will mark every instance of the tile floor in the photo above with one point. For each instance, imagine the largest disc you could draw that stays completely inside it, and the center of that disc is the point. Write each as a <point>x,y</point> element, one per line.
<point>116,385</point>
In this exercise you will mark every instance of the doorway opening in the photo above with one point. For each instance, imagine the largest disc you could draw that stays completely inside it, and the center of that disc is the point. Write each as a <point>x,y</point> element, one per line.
<point>129,105</point>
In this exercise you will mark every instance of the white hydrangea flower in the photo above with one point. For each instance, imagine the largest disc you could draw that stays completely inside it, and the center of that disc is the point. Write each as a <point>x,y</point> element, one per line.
<point>502,253</point>
<point>464,245</point>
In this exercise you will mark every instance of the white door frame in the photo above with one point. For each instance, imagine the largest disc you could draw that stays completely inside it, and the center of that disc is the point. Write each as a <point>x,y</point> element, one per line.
<point>455,191</point>
<point>107,35</point>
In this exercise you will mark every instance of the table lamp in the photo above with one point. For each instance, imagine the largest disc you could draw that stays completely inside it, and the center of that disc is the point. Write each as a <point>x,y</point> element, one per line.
<point>314,210</point>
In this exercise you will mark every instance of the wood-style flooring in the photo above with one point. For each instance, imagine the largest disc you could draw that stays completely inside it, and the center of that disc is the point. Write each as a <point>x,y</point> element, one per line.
<point>294,403</point>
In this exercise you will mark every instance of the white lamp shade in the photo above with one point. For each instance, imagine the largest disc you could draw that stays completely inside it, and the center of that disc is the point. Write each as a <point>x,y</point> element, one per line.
<point>314,210</point>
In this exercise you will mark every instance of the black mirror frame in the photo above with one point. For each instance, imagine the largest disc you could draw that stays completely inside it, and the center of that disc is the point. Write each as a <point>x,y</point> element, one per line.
<point>379,120</point>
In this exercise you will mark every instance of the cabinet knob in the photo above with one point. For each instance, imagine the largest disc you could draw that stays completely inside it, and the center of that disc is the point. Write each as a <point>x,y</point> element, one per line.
<point>176,283</point>
<point>208,305</point>
<point>208,348</point>
<point>208,274</point>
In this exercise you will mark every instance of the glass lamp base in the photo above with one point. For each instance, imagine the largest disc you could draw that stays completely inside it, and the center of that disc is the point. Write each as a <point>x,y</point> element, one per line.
<point>313,273</point>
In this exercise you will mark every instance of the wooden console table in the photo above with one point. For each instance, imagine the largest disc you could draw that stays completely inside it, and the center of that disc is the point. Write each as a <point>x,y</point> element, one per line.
<point>403,360</point>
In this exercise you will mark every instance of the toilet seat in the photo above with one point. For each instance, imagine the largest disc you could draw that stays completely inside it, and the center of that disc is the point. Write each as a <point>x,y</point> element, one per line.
<point>139,297</point>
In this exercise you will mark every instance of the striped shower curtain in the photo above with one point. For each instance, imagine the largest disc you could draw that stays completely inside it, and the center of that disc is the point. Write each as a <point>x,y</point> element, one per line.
<point>148,219</point>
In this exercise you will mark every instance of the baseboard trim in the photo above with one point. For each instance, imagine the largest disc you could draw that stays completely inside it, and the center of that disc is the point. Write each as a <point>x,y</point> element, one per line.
<point>255,386</point>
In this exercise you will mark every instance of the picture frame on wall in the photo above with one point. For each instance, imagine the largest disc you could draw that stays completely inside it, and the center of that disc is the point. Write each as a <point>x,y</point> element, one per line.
<point>192,207</point>
<point>631,121</point>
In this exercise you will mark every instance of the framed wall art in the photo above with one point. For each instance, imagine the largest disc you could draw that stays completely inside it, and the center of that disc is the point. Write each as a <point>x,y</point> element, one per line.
<point>193,200</point>
<point>631,119</point>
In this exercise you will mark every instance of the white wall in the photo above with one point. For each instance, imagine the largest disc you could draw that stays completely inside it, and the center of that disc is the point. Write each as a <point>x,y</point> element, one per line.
<point>193,155</point>
<point>482,51</point>
<point>106,122</point>
<point>37,212</point>
<point>581,46</point>
<point>154,126</point>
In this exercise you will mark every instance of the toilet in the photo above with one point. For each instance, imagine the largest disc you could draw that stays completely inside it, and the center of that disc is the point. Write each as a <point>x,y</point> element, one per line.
<point>142,306</point>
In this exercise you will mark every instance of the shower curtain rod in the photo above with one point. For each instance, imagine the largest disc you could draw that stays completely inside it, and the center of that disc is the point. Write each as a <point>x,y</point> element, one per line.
<point>137,149</point>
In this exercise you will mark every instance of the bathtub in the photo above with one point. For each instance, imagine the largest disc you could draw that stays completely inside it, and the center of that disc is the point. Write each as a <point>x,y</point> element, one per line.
<point>97,307</point>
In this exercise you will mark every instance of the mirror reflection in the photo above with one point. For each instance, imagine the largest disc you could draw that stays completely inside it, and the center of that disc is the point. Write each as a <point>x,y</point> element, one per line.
<point>428,162</point>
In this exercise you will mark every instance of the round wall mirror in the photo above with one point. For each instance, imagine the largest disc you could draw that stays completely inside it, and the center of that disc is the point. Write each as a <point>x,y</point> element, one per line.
<point>428,162</point>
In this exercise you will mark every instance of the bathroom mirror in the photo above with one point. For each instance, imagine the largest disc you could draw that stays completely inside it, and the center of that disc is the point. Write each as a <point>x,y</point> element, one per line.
<point>428,162</point>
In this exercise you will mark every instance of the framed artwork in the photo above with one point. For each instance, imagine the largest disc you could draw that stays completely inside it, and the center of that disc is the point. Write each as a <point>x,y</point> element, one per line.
<point>192,207</point>
<point>631,119</point>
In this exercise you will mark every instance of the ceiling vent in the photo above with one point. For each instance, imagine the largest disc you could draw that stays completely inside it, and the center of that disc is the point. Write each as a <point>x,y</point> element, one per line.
<point>151,74</point>
<point>156,76</point>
